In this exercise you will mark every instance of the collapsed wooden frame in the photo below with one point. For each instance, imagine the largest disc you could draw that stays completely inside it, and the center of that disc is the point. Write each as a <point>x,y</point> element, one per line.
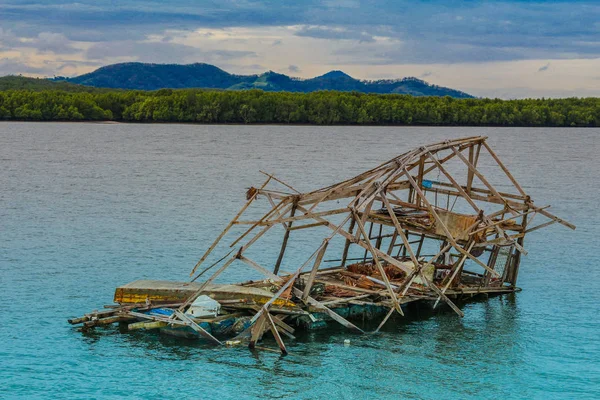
<point>395,196</point>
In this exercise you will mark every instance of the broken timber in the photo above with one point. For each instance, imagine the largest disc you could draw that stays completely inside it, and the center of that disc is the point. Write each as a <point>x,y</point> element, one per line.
<point>427,226</point>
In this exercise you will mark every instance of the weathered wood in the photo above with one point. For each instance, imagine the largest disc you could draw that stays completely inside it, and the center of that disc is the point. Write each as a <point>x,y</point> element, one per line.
<point>471,202</point>
<point>195,295</point>
<point>555,218</point>
<point>445,229</point>
<point>456,271</point>
<point>266,228</point>
<point>348,242</point>
<point>387,316</point>
<point>378,264</point>
<point>222,234</point>
<point>315,268</point>
<point>313,225</point>
<point>257,330</point>
<point>260,269</point>
<point>192,324</point>
<point>344,300</point>
<point>333,315</point>
<point>276,335</point>
<point>307,215</point>
<point>147,325</point>
<point>545,224</point>
<point>278,180</point>
<point>506,171</point>
<point>286,237</point>
<point>481,177</point>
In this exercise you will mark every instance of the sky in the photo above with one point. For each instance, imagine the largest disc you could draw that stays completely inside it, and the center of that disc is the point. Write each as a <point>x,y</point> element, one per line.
<point>506,49</point>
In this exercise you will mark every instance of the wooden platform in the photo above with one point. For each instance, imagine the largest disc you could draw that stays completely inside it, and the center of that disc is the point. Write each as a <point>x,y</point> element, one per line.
<point>172,292</point>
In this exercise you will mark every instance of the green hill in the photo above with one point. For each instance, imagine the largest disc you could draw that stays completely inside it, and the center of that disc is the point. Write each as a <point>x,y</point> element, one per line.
<point>142,76</point>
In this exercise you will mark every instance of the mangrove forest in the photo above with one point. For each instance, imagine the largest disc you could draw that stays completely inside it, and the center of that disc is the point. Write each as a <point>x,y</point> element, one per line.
<point>321,108</point>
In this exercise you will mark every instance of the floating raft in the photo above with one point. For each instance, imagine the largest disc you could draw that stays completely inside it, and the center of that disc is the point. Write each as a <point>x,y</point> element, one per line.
<point>413,232</point>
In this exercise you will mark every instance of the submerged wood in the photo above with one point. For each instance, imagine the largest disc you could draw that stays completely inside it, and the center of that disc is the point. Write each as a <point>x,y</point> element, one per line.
<point>402,188</point>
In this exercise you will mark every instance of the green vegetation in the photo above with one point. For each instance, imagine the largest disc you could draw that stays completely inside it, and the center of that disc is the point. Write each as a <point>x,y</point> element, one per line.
<point>322,108</point>
<point>12,82</point>
<point>142,76</point>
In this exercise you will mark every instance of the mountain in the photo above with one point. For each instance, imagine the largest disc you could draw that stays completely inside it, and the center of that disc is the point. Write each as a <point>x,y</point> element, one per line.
<point>143,76</point>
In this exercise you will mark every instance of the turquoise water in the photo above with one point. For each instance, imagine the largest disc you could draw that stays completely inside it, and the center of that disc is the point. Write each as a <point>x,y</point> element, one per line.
<point>87,207</point>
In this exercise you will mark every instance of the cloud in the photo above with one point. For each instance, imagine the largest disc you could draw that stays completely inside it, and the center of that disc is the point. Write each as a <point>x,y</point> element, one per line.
<point>323,32</point>
<point>544,67</point>
<point>11,66</point>
<point>293,69</point>
<point>160,52</point>
<point>54,43</point>
<point>426,74</point>
<point>472,31</point>
<point>44,42</point>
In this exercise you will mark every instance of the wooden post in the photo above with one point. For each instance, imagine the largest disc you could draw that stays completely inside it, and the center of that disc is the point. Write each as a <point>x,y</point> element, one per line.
<point>286,236</point>
<point>516,261</point>
<point>348,242</point>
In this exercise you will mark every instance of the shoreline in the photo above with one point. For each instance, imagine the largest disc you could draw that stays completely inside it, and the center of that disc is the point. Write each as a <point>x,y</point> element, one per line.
<point>110,122</point>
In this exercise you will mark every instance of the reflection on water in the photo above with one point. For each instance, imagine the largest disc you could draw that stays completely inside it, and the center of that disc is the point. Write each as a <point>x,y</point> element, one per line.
<point>85,208</point>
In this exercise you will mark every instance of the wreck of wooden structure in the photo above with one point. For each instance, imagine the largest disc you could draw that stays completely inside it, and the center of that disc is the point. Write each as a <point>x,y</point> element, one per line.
<point>428,226</point>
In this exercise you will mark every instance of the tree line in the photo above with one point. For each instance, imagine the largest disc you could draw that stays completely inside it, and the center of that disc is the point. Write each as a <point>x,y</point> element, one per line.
<point>321,108</point>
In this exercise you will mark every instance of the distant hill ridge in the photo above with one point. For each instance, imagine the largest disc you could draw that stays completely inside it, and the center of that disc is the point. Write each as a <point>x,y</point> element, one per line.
<point>143,76</point>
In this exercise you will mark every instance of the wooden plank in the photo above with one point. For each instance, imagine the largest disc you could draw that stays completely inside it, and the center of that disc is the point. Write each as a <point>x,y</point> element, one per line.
<point>260,269</point>
<point>314,270</point>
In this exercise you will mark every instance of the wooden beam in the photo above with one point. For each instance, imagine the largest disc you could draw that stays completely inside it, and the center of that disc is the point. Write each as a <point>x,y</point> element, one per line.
<point>286,236</point>
<point>231,223</point>
<point>555,218</point>
<point>506,171</point>
<point>332,314</point>
<point>276,334</point>
<point>314,270</point>
<point>260,269</point>
<point>444,228</point>
<point>378,264</point>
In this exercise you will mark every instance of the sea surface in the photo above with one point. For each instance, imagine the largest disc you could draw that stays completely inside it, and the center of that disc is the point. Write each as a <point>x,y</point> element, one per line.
<point>85,208</point>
